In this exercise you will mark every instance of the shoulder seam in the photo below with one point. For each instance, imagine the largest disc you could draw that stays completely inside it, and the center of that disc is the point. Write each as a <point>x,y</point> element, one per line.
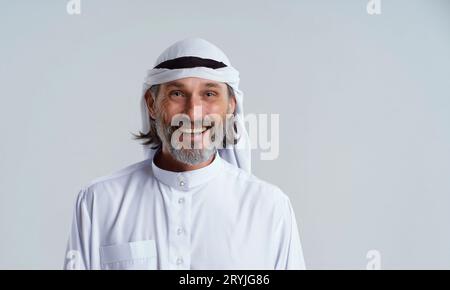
<point>117,174</point>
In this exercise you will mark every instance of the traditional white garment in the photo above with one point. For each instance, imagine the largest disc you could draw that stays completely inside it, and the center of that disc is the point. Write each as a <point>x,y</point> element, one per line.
<point>216,217</point>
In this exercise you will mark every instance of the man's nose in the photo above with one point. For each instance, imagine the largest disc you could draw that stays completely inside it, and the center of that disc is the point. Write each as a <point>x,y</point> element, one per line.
<point>194,109</point>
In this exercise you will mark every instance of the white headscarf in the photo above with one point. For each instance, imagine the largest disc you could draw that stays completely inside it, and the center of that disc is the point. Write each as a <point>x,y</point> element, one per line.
<point>238,154</point>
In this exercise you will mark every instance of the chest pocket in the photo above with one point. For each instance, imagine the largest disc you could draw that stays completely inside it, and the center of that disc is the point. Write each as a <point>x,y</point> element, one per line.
<point>140,255</point>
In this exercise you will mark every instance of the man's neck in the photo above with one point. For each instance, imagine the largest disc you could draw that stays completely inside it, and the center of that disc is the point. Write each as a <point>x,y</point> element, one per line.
<point>164,160</point>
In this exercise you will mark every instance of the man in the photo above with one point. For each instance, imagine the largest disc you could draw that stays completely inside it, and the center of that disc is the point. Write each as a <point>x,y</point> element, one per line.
<point>192,203</point>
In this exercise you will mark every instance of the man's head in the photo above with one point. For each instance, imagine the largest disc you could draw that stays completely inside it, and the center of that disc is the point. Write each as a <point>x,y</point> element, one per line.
<point>201,79</point>
<point>190,116</point>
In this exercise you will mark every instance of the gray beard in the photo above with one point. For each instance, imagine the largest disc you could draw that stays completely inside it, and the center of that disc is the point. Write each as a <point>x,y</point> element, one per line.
<point>186,156</point>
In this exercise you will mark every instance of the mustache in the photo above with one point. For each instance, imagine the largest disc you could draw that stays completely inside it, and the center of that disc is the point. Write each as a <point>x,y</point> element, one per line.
<point>197,124</point>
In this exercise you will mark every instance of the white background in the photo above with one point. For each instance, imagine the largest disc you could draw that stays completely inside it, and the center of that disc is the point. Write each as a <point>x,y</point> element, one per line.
<point>364,104</point>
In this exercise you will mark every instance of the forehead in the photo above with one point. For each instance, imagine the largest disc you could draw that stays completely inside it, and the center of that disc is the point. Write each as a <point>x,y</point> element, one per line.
<point>191,83</point>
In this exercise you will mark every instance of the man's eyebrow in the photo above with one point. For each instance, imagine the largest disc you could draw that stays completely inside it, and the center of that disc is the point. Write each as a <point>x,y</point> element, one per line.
<point>175,84</point>
<point>212,85</point>
<point>181,85</point>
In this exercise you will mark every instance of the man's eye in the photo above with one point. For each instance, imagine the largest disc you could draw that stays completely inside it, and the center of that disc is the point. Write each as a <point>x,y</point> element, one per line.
<point>210,94</point>
<point>176,94</point>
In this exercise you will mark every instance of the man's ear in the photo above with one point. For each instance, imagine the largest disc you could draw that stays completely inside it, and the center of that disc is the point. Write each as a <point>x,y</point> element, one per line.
<point>150,104</point>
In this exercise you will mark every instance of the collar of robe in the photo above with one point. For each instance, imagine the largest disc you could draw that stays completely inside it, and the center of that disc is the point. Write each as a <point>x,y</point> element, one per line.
<point>187,180</point>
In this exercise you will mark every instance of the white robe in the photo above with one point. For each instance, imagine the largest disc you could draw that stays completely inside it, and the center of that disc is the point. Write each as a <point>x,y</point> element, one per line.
<point>216,217</point>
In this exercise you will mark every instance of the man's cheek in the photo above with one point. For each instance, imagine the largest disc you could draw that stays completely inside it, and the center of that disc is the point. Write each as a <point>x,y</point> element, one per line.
<point>217,133</point>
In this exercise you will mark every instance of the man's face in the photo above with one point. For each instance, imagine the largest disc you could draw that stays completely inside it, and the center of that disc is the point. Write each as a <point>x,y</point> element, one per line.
<point>190,114</point>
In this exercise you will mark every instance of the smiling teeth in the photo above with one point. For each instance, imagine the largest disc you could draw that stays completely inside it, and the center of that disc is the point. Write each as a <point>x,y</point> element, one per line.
<point>192,131</point>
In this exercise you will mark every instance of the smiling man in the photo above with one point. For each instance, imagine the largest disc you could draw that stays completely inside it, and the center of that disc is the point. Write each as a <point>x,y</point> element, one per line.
<point>193,202</point>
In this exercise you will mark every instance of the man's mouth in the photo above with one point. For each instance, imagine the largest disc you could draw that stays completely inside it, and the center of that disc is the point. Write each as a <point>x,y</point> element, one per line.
<point>195,134</point>
<point>201,130</point>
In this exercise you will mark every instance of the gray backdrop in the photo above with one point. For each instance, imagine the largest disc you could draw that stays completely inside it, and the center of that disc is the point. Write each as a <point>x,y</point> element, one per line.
<point>364,104</point>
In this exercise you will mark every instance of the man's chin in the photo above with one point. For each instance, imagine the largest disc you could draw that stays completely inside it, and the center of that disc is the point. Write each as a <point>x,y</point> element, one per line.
<point>192,156</point>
